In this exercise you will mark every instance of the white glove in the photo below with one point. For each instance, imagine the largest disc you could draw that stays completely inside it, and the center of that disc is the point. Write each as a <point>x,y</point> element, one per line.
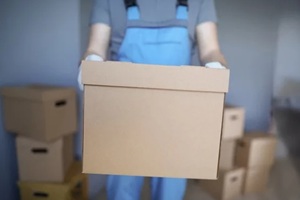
<point>214,65</point>
<point>92,57</point>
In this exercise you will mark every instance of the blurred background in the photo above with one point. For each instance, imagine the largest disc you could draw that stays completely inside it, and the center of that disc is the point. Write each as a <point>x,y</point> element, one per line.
<point>43,41</point>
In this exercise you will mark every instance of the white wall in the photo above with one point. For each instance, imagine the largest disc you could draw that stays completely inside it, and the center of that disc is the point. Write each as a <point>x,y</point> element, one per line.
<point>248,36</point>
<point>287,73</point>
<point>39,43</point>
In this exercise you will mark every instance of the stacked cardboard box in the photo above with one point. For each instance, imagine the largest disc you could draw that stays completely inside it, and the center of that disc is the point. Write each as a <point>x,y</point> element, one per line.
<point>256,152</point>
<point>231,178</point>
<point>73,188</point>
<point>44,119</point>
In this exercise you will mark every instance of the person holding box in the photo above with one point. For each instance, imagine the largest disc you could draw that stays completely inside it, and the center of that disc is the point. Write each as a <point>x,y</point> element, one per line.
<point>162,32</point>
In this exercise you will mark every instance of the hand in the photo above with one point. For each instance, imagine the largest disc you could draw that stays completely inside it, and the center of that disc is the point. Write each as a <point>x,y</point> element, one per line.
<point>92,57</point>
<point>214,65</point>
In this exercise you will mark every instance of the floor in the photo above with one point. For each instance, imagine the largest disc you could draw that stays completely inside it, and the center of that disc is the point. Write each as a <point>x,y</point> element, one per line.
<point>284,184</point>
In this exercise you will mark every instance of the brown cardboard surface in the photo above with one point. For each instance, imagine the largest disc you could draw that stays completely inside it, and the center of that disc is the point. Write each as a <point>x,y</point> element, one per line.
<point>43,113</point>
<point>73,189</point>
<point>228,186</point>
<point>150,121</point>
<point>233,123</point>
<point>40,161</point>
<point>227,154</point>
<point>256,180</point>
<point>256,150</point>
<point>187,78</point>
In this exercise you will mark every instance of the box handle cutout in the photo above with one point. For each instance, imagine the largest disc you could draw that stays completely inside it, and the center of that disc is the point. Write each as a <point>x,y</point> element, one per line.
<point>233,117</point>
<point>242,144</point>
<point>77,190</point>
<point>41,194</point>
<point>233,179</point>
<point>39,150</point>
<point>60,103</point>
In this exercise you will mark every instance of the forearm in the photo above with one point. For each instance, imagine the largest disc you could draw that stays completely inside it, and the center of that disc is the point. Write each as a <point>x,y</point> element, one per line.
<point>208,44</point>
<point>98,40</point>
<point>213,56</point>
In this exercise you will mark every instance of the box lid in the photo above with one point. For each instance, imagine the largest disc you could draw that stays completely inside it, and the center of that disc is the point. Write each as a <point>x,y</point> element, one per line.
<point>234,170</point>
<point>250,136</point>
<point>122,74</point>
<point>38,92</point>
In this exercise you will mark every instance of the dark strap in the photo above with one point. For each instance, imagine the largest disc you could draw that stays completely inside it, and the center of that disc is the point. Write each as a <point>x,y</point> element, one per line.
<point>119,19</point>
<point>130,3</point>
<point>182,2</point>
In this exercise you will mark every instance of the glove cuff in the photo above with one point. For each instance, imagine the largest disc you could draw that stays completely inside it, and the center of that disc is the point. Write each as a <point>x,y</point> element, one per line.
<point>214,65</point>
<point>94,57</point>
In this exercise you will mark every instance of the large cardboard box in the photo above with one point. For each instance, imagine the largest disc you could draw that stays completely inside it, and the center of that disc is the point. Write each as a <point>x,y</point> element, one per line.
<point>233,124</point>
<point>75,187</point>
<point>43,113</point>
<point>227,154</point>
<point>150,120</point>
<point>227,187</point>
<point>40,161</point>
<point>256,180</point>
<point>256,150</point>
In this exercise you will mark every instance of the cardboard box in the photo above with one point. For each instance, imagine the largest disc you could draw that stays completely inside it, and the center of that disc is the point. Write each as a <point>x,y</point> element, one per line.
<point>227,187</point>
<point>40,161</point>
<point>256,180</point>
<point>227,154</point>
<point>75,187</point>
<point>233,124</point>
<point>256,150</point>
<point>40,112</point>
<point>150,120</point>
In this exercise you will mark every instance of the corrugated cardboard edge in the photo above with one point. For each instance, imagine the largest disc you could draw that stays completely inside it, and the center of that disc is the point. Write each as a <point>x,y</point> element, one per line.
<point>19,92</point>
<point>186,78</point>
<point>222,123</point>
<point>83,136</point>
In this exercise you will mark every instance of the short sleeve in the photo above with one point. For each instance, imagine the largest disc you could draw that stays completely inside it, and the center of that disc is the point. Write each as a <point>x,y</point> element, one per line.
<point>100,12</point>
<point>207,12</point>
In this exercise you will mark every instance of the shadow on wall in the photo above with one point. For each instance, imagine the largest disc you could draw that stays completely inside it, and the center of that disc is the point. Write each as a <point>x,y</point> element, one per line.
<point>288,126</point>
<point>286,111</point>
<point>291,88</point>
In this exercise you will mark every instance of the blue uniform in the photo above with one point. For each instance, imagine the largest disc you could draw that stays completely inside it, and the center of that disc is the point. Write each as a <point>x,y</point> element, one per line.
<point>162,46</point>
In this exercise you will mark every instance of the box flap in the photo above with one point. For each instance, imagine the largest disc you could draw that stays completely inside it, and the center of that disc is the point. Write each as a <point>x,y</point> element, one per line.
<point>223,172</point>
<point>121,74</point>
<point>38,92</point>
<point>249,136</point>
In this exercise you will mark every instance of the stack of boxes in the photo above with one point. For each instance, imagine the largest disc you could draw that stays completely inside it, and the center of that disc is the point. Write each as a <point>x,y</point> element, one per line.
<point>245,160</point>
<point>256,153</point>
<point>230,180</point>
<point>44,119</point>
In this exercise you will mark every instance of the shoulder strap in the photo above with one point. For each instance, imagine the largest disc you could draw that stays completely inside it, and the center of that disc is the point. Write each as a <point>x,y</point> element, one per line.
<point>118,16</point>
<point>129,3</point>
<point>182,2</point>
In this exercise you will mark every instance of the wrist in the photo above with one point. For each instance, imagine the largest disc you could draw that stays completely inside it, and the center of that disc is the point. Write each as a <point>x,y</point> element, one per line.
<point>94,57</point>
